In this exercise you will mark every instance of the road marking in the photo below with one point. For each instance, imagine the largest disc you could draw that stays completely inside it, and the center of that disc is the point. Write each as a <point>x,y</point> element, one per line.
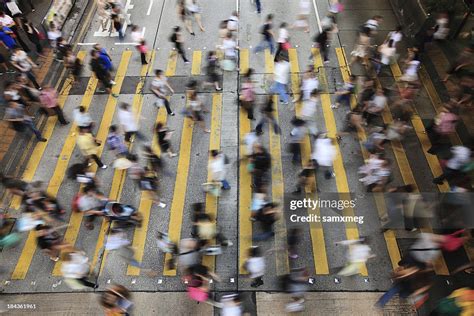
<point>214,143</point>
<point>389,236</point>
<point>180,187</point>
<point>244,60</point>
<point>281,254</point>
<point>316,11</point>
<point>149,8</point>
<point>196,66</point>
<point>128,6</point>
<point>29,249</point>
<point>245,180</point>
<point>316,229</point>
<point>102,135</point>
<point>352,232</point>
<point>86,44</point>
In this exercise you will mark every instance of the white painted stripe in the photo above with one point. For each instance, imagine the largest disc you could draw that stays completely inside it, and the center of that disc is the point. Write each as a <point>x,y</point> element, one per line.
<point>317,16</point>
<point>86,44</point>
<point>149,7</point>
<point>120,43</point>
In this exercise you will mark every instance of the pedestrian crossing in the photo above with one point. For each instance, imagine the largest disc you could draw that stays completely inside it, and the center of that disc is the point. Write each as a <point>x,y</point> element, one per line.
<point>319,244</point>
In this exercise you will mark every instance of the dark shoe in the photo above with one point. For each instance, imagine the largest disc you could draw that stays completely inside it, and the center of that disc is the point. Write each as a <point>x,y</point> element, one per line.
<point>42,140</point>
<point>65,123</point>
<point>438,181</point>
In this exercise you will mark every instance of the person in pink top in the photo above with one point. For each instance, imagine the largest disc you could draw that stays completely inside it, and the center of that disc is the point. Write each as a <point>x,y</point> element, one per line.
<point>49,100</point>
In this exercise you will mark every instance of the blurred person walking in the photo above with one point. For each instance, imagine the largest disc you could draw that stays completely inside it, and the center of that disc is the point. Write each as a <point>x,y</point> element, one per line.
<point>160,87</point>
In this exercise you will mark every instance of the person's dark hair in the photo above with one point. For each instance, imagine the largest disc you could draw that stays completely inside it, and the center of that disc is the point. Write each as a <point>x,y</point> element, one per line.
<point>283,24</point>
<point>214,153</point>
<point>177,29</point>
<point>158,72</point>
<point>399,28</point>
<point>159,125</point>
<point>124,106</point>
<point>113,128</point>
<point>255,252</point>
<point>269,17</point>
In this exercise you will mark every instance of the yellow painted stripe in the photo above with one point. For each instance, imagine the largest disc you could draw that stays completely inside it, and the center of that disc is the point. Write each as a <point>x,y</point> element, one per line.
<point>196,65</point>
<point>281,256</point>
<point>181,182</point>
<point>214,143</point>
<point>282,266</point>
<point>102,135</point>
<point>390,238</point>
<point>316,230</point>
<point>245,191</point>
<point>352,232</point>
<point>440,266</point>
<point>40,147</point>
<point>244,60</point>
<point>29,248</point>
<point>172,60</point>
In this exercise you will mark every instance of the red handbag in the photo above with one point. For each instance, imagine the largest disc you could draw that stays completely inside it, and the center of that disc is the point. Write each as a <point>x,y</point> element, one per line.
<point>286,45</point>
<point>452,242</point>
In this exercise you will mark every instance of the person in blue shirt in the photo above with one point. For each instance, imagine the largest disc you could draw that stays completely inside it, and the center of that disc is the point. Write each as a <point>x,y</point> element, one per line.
<point>6,37</point>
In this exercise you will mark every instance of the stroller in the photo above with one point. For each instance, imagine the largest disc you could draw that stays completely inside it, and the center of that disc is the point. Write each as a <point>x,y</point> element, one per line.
<point>123,214</point>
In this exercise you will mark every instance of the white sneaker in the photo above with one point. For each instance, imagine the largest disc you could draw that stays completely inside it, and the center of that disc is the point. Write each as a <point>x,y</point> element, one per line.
<point>104,167</point>
<point>112,82</point>
<point>333,106</point>
<point>162,205</point>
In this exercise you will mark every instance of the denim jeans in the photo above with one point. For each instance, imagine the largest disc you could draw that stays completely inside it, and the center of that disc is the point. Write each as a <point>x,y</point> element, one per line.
<point>263,44</point>
<point>29,124</point>
<point>280,88</point>
<point>258,3</point>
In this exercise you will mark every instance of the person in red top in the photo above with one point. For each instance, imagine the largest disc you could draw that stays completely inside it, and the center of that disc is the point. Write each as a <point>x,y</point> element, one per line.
<point>49,100</point>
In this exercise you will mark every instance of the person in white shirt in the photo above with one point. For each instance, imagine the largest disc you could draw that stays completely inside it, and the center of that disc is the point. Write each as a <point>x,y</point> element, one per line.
<point>357,256</point>
<point>396,35</point>
<point>75,268</point>
<point>324,153</point>
<point>229,46</point>
<point>387,54</point>
<point>128,121</point>
<point>24,64</point>
<point>375,106</point>
<point>159,87</point>
<point>82,118</point>
<point>283,36</point>
<point>308,112</point>
<point>255,265</point>
<point>217,168</point>
<point>136,35</point>
<point>374,23</point>
<point>308,84</point>
<point>16,13</point>
<point>461,157</point>
<point>233,22</point>
<point>302,18</point>
<point>281,77</point>
<point>194,9</point>
<point>117,241</point>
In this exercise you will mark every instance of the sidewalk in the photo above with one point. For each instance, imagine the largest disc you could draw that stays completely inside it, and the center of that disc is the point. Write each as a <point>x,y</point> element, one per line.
<point>48,72</point>
<point>324,304</point>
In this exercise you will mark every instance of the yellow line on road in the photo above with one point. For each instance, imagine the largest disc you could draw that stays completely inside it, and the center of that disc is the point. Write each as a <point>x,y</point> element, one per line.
<point>29,249</point>
<point>196,65</point>
<point>181,182</point>
<point>352,232</point>
<point>244,60</point>
<point>390,238</point>
<point>316,229</point>
<point>245,191</point>
<point>117,181</point>
<point>172,60</point>
<point>281,254</point>
<point>214,143</point>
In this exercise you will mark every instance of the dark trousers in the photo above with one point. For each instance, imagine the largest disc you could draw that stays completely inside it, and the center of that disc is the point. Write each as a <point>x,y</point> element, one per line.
<point>36,42</point>
<point>180,50</point>
<point>59,112</point>
<point>84,282</point>
<point>31,126</point>
<point>128,135</point>
<point>279,49</point>
<point>14,29</point>
<point>248,106</point>
<point>257,282</point>
<point>143,57</point>
<point>97,160</point>
<point>258,3</point>
<point>32,78</point>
